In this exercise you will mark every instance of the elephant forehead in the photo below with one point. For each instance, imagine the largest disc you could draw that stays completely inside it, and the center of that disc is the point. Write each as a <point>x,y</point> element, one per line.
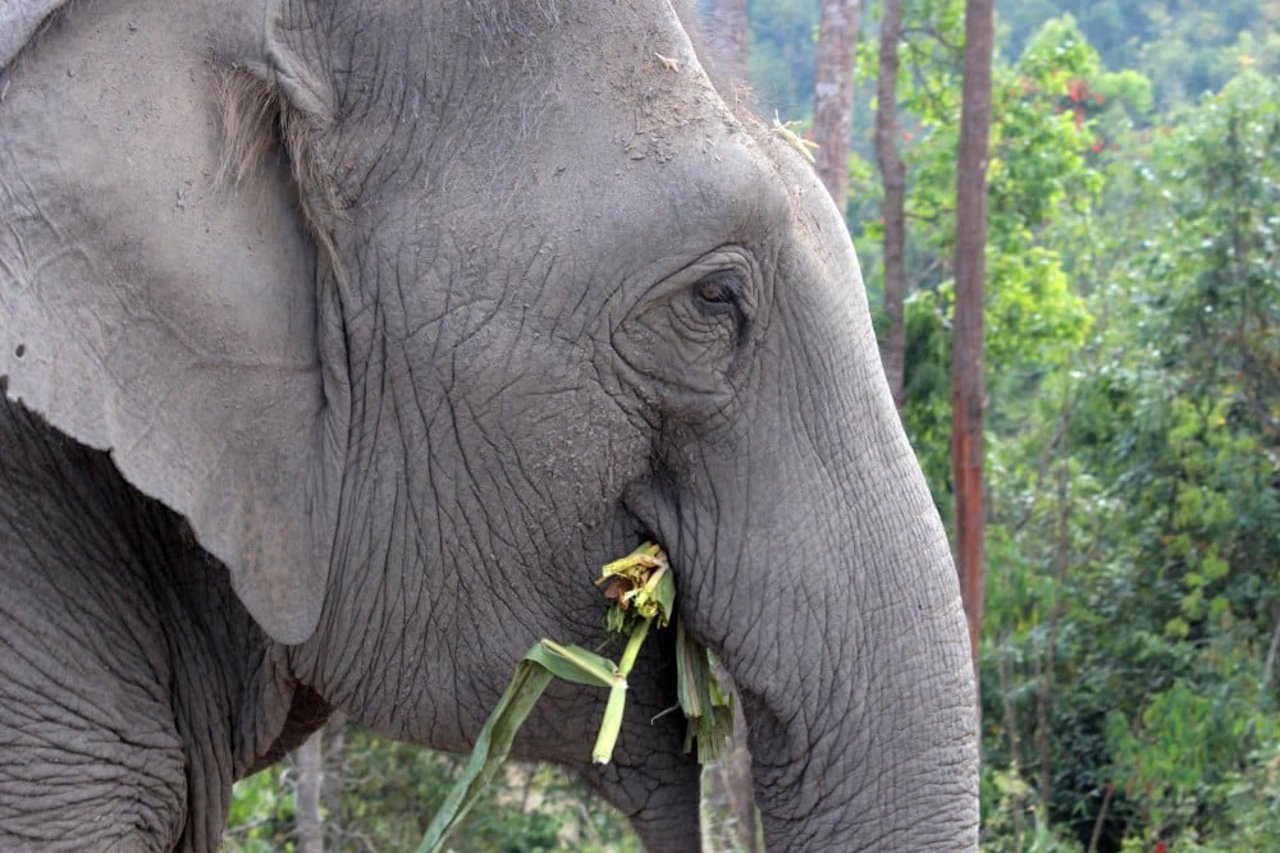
<point>564,245</point>
<point>465,99</point>
<point>587,149</point>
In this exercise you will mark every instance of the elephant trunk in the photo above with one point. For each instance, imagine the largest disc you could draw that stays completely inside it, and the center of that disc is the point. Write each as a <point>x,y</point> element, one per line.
<point>835,608</point>
<point>871,744</point>
<point>860,693</point>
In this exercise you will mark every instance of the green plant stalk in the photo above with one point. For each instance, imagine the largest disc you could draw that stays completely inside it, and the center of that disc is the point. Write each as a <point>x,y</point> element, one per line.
<point>708,710</point>
<point>632,651</point>
<point>611,725</point>
<point>547,659</point>
<point>705,705</point>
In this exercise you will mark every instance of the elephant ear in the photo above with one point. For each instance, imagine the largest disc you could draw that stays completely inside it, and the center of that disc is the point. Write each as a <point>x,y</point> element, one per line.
<point>151,309</point>
<point>19,21</point>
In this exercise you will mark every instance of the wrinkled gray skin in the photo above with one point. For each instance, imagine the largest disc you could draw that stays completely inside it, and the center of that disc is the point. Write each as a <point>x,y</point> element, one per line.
<point>354,424</point>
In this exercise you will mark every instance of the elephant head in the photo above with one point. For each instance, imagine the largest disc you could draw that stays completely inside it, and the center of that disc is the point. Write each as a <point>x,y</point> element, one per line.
<point>418,312</point>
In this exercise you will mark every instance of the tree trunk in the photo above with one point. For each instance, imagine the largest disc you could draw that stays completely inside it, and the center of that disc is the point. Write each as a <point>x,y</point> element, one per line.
<point>1270,664</point>
<point>740,787</point>
<point>730,35</point>
<point>1044,692</point>
<point>968,381</point>
<point>1004,671</point>
<point>729,790</point>
<point>833,95</point>
<point>1102,817</point>
<point>335,758</point>
<point>893,351</point>
<point>310,760</point>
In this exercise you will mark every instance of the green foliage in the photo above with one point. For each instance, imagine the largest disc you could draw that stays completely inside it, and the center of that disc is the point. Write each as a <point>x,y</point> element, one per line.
<point>926,412</point>
<point>381,795</point>
<point>1133,446</point>
<point>395,789</point>
<point>1171,758</point>
<point>261,818</point>
<point>784,37</point>
<point>1040,168</point>
<point>1188,47</point>
<point>1135,553</point>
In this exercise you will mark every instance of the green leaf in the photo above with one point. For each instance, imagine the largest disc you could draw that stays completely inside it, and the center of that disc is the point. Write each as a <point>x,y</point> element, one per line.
<point>574,664</point>
<point>491,749</point>
<point>705,704</point>
<point>662,590</point>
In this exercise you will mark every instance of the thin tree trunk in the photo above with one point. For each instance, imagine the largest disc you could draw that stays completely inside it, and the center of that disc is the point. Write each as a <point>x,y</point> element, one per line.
<point>1096,836</point>
<point>335,760</point>
<point>833,95</point>
<point>730,788</point>
<point>968,382</point>
<point>1044,742</point>
<point>741,789</point>
<point>310,760</point>
<point>730,35</point>
<point>1005,673</point>
<point>1044,690</point>
<point>1269,665</point>
<point>893,352</point>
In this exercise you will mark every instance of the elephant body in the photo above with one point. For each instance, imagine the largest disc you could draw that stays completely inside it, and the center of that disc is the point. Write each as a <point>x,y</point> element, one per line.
<point>341,343</point>
<point>137,688</point>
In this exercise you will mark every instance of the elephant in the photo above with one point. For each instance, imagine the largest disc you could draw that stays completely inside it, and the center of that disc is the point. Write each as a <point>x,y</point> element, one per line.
<point>342,342</point>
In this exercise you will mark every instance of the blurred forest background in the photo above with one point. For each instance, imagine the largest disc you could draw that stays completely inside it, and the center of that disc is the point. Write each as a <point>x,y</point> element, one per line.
<point>1128,655</point>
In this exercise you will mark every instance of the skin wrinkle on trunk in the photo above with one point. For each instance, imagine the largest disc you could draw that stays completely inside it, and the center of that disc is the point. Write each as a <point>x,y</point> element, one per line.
<point>913,771</point>
<point>893,176</point>
<point>833,95</point>
<point>968,378</point>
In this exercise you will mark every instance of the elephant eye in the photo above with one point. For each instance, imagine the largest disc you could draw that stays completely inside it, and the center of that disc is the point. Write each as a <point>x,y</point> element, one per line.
<point>718,292</point>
